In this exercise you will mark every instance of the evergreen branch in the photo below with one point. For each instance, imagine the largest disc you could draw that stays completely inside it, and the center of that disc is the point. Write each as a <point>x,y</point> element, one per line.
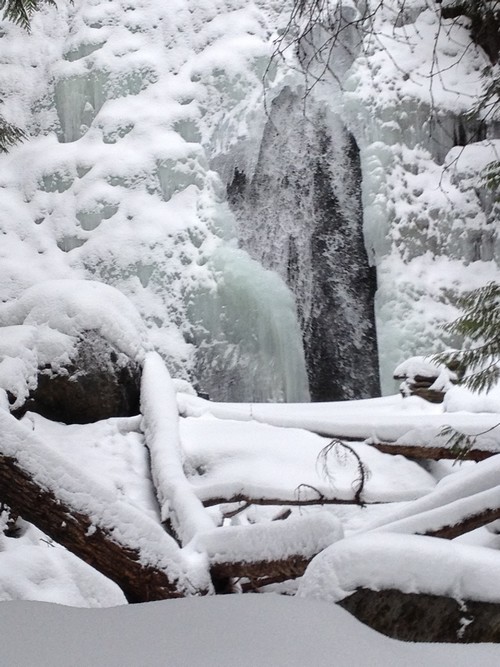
<point>20,11</point>
<point>10,135</point>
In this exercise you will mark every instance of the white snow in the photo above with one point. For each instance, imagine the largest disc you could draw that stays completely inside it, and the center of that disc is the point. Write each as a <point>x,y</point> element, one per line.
<point>72,307</point>
<point>303,536</point>
<point>160,423</point>
<point>222,631</point>
<point>226,458</point>
<point>409,563</point>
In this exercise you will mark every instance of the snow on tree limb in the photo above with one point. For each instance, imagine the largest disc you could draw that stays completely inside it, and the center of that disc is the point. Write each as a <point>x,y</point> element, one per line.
<point>425,451</point>
<point>455,518</point>
<point>274,551</point>
<point>181,510</point>
<point>462,486</point>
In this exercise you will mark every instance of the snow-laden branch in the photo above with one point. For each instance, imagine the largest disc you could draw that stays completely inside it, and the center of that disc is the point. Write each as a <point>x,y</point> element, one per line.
<point>277,550</point>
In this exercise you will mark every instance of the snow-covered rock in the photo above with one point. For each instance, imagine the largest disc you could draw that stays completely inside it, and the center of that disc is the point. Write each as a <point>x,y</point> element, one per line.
<point>71,350</point>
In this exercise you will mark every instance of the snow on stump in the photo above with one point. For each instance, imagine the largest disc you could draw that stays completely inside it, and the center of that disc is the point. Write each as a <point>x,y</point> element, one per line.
<point>71,350</point>
<point>410,587</point>
<point>425,378</point>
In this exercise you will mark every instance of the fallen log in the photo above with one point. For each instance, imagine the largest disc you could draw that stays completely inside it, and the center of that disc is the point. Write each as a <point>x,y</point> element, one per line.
<point>77,512</point>
<point>452,519</point>
<point>182,513</point>
<point>268,552</point>
<point>430,453</point>
<point>468,523</point>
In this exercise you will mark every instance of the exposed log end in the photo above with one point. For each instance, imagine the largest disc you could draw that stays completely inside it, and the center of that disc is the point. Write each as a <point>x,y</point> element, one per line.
<point>419,617</point>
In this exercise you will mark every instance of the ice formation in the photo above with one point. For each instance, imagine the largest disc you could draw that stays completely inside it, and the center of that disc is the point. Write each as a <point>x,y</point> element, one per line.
<point>244,203</point>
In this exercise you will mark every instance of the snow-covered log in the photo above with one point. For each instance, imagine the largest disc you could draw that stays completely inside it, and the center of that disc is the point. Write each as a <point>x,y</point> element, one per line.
<point>182,512</point>
<point>74,510</point>
<point>411,587</point>
<point>462,485</point>
<point>453,519</point>
<point>427,451</point>
<point>269,552</point>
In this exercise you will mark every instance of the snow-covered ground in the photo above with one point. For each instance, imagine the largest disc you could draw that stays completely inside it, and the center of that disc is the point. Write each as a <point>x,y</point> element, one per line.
<point>224,631</point>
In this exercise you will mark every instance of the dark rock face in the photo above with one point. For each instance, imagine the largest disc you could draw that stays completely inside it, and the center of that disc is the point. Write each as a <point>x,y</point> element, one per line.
<point>99,382</point>
<point>300,215</point>
<point>425,618</point>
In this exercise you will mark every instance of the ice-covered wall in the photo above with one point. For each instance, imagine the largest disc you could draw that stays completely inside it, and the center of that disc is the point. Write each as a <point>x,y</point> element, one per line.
<point>141,115</point>
<point>404,81</point>
<point>430,224</point>
<point>115,183</point>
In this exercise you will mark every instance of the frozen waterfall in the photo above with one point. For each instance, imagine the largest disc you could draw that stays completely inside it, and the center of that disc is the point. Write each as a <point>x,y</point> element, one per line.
<point>300,215</point>
<point>253,229</point>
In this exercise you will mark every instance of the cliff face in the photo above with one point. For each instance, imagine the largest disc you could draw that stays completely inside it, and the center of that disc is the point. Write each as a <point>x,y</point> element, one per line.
<point>250,224</point>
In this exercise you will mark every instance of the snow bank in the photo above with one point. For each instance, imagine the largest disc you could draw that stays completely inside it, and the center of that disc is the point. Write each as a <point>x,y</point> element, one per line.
<point>111,451</point>
<point>222,631</point>
<point>461,399</point>
<point>225,458</point>
<point>46,572</point>
<point>409,563</point>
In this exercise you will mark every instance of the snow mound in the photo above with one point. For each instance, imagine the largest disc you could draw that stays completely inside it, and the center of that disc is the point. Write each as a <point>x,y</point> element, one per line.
<point>74,306</point>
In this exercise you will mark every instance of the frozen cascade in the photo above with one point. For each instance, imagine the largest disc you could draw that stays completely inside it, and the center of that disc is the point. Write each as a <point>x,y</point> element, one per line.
<point>117,187</point>
<point>429,221</point>
<point>246,334</point>
<point>300,215</point>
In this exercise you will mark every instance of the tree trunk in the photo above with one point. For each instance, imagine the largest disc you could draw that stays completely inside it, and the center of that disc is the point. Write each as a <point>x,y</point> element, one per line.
<point>89,520</point>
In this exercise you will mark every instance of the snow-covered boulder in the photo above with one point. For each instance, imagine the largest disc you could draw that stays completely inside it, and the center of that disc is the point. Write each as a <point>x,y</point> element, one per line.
<point>71,350</point>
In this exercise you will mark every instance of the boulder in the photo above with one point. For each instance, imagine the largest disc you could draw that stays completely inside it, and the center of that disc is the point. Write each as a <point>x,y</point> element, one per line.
<point>72,351</point>
<point>98,382</point>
